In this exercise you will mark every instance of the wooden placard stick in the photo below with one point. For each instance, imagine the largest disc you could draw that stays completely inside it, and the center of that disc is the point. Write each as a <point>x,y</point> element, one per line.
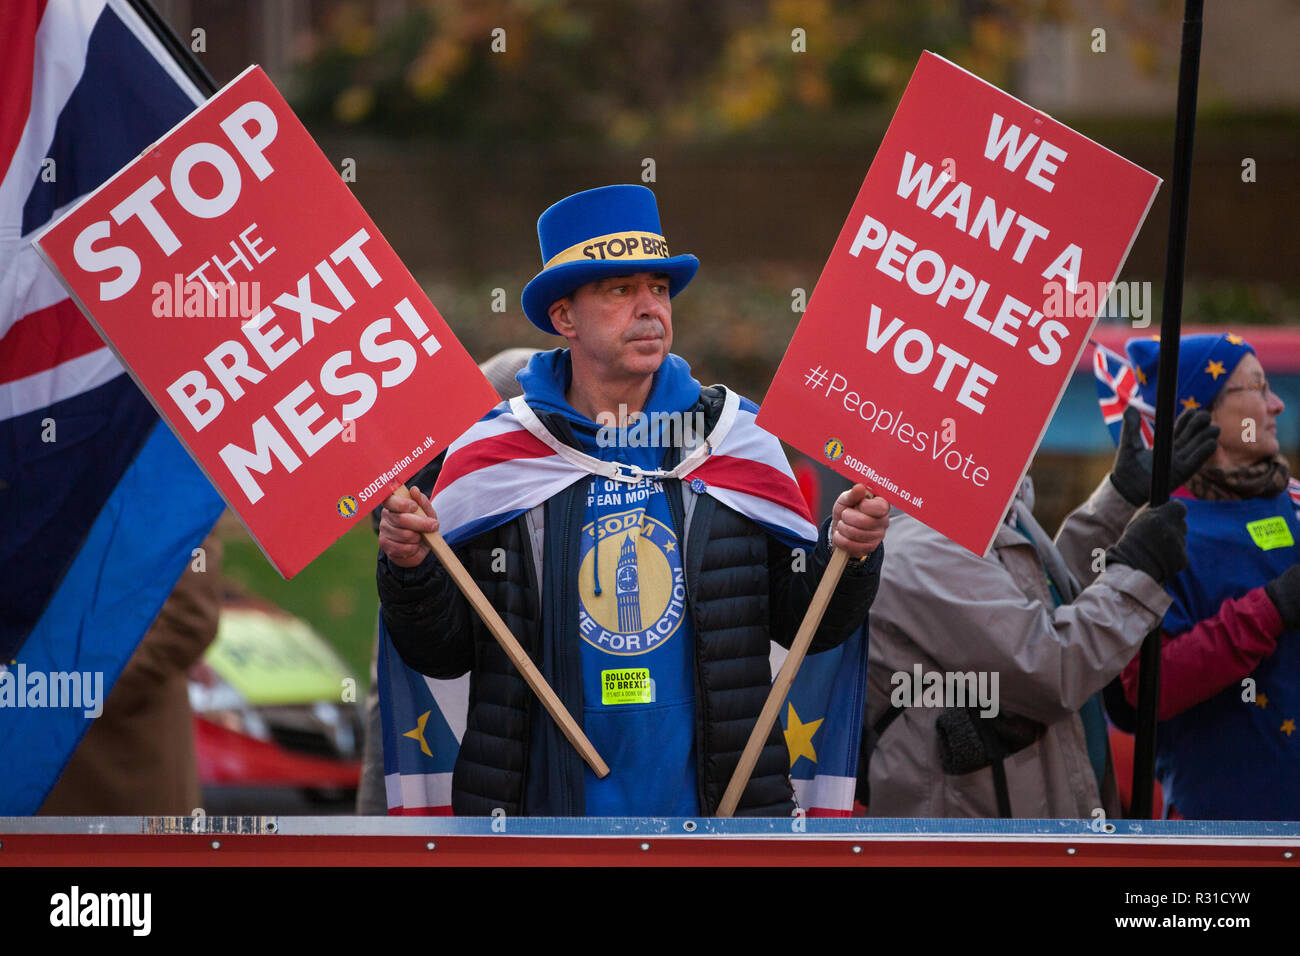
<point>442,551</point>
<point>785,678</point>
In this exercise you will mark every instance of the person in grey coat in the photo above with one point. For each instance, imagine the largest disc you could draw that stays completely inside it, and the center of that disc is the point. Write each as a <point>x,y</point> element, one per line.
<point>985,672</point>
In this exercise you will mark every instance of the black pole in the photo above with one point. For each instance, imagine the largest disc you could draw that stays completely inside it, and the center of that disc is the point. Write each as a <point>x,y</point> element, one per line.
<point>1171,318</point>
<point>181,53</point>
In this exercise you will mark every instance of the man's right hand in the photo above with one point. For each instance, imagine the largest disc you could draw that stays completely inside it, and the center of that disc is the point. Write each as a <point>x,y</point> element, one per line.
<point>403,525</point>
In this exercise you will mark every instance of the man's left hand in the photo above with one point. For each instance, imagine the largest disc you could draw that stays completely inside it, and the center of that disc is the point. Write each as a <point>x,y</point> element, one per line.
<point>858,522</point>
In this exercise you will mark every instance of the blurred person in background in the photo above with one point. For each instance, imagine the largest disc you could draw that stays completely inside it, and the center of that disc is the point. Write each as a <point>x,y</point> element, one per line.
<point>1227,746</point>
<point>138,757</point>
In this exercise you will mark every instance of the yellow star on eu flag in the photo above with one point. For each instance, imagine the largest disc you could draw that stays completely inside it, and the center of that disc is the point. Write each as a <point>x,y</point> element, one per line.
<point>1190,402</point>
<point>798,736</point>
<point>1288,727</point>
<point>418,733</point>
<point>1141,375</point>
<point>1261,700</point>
<point>1235,339</point>
<point>1215,369</point>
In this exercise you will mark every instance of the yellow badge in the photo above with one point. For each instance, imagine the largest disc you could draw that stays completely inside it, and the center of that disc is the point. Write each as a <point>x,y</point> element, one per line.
<point>628,685</point>
<point>1270,533</point>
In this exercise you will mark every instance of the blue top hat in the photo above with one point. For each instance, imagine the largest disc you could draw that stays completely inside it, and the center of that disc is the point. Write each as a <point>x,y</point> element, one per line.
<point>610,231</point>
<point>1204,364</point>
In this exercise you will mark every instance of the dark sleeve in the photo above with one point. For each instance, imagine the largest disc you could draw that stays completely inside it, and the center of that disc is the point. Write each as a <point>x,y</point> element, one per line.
<point>430,622</point>
<point>1215,654</point>
<point>792,591</point>
<point>428,619</point>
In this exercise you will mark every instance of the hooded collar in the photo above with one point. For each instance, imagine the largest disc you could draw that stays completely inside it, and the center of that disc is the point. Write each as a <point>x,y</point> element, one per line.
<point>547,376</point>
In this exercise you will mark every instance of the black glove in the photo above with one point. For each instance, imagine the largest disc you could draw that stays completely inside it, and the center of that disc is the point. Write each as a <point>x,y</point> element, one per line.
<point>1194,442</point>
<point>1284,592</point>
<point>1155,542</point>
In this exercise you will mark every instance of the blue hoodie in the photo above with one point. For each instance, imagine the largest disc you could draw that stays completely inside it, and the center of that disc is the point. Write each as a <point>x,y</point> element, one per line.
<point>637,642</point>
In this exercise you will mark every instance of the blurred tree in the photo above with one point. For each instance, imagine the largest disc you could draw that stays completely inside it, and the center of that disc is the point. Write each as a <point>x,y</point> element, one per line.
<point>622,73</point>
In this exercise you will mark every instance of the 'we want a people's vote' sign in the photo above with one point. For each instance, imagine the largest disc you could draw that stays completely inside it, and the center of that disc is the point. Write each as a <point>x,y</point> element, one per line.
<point>277,333</point>
<point>956,302</point>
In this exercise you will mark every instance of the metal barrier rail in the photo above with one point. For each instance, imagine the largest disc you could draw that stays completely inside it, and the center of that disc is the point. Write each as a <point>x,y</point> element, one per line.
<point>660,841</point>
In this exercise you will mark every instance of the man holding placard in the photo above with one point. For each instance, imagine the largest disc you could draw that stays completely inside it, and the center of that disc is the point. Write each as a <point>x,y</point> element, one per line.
<point>641,535</point>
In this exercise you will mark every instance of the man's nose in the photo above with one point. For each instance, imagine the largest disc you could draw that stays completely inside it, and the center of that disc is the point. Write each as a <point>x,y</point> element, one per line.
<point>647,303</point>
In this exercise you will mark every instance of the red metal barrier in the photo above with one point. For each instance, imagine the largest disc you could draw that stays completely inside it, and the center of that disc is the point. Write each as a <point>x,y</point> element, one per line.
<point>280,848</point>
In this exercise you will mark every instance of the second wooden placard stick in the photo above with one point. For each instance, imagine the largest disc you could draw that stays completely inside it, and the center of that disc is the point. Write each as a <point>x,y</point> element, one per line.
<point>785,678</point>
<point>523,663</point>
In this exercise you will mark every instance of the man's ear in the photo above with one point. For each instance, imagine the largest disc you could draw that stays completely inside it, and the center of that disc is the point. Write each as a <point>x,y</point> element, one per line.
<point>559,316</point>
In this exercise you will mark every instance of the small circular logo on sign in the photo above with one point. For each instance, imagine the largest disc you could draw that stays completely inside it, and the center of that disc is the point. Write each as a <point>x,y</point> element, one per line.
<point>347,506</point>
<point>834,449</point>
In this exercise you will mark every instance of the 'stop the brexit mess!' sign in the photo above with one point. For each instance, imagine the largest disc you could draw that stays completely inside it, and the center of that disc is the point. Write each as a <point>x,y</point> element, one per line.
<point>277,333</point>
<point>956,302</point>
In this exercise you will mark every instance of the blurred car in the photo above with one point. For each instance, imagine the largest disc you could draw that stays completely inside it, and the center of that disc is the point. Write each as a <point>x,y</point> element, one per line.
<point>275,706</point>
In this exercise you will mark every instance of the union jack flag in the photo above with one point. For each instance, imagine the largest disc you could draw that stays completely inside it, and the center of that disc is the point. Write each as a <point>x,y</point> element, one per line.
<point>1118,387</point>
<point>507,464</point>
<point>102,505</point>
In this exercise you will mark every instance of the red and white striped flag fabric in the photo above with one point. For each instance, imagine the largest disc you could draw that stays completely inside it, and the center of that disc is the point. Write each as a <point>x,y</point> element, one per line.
<point>504,466</point>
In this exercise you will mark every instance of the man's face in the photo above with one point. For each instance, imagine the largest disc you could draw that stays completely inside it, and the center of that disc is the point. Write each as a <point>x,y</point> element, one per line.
<point>1246,398</point>
<point>621,327</point>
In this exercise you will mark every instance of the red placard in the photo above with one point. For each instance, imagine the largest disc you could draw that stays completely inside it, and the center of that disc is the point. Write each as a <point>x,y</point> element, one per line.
<point>956,301</point>
<point>277,333</point>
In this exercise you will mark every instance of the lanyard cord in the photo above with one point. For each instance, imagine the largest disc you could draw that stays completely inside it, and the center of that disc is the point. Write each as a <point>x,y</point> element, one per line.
<point>618,471</point>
